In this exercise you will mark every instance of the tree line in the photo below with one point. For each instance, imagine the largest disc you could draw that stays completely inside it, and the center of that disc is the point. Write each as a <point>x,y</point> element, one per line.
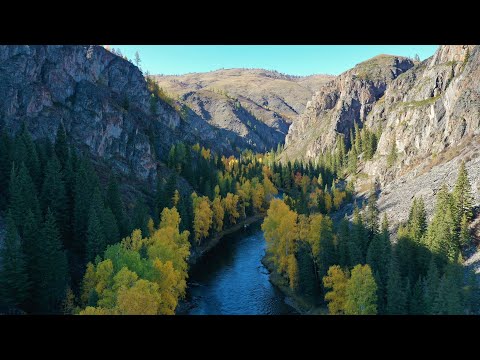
<point>354,268</point>
<point>72,244</point>
<point>58,217</point>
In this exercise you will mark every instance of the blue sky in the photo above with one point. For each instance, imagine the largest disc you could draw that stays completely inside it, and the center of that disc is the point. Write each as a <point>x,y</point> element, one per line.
<point>289,59</point>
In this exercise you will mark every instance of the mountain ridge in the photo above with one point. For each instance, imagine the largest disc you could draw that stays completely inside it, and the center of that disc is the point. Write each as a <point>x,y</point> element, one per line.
<point>429,111</point>
<point>270,100</point>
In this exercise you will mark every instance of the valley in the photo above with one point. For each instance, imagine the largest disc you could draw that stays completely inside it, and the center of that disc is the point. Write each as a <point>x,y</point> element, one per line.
<point>158,194</point>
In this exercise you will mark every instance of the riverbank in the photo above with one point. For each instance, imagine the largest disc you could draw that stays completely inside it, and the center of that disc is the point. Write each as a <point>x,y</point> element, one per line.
<point>202,249</point>
<point>299,303</point>
<point>231,280</point>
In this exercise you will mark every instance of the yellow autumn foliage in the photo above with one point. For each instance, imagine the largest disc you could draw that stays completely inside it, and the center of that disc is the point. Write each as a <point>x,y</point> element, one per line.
<point>203,218</point>
<point>336,280</point>
<point>281,232</point>
<point>218,214</point>
<point>230,204</point>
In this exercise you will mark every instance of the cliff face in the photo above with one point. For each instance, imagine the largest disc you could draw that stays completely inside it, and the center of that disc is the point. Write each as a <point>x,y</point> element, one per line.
<point>252,107</point>
<point>432,115</point>
<point>430,112</point>
<point>336,106</point>
<point>433,107</point>
<point>100,98</point>
<point>103,102</point>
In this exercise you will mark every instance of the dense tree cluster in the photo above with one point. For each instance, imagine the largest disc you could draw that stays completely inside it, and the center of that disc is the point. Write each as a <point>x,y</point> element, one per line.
<point>140,275</point>
<point>225,190</point>
<point>356,269</point>
<point>63,249</point>
<point>58,218</point>
<point>344,156</point>
<point>230,189</point>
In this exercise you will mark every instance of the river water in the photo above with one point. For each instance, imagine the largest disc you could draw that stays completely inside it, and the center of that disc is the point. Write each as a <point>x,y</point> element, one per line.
<point>231,280</point>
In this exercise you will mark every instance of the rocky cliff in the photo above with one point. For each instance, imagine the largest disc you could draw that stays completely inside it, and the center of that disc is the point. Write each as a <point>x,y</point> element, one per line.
<point>101,99</point>
<point>431,115</point>
<point>429,109</point>
<point>337,105</point>
<point>254,107</point>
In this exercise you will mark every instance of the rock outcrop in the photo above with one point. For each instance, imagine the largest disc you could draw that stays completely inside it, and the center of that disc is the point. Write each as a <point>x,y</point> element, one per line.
<point>336,106</point>
<point>103,102</point>
<point>429,112</point>
<point>254,107</point>
<point>433,108</point>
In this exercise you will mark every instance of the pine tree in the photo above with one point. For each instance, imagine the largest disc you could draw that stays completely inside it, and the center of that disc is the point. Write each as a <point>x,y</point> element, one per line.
<point>61,146</point>
<point>431,287</point>
<point>53,194</point>
<point>416,304</point>
<point>371,213</point>
<point>96,242</point>
<point>392,155</point>
<point>187,168</point>
<point>140,216</point>
<point>52,268</point>
<point>464,236</point>
<point>83,194</point>
<point>171,158</point>
<point>462,195</point>
<point>441,235</point>
<point>32,161</point>
<point>455,277</point>
<point>379,252</point>
<point>447,300</point>
<point>352,161</point>
<point>161,200</point>
<point>417,220</point>
<point>45,152</point>
<point>170,188</point>
<point>396,299</point>
<point>472,293</point>
<point>19,151</point>
<point>321,242</point>
<point>359,239</point>
<point>107,226</point>
<point>307,279</point>
<point>14,282</point>
<point>23,196</point>
<point>207,190</point>
<point>368,143</point>
<point>185,211</point>
<point>405,249</point>
<point>32,247</point>
<point>69,181</point>
<point>137,59</point>
<point>381,291</point>
<point>114,202</point>
<point>343,237</point>
<point>111,231</point>
<point>358,141</point>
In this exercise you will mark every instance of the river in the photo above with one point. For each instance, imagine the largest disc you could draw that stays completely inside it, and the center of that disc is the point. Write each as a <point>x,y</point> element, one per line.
<point>231,280</point>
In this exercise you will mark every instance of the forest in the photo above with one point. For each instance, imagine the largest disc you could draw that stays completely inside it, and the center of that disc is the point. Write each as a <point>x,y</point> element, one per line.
<point>75,244</point>
<point>356,269</point>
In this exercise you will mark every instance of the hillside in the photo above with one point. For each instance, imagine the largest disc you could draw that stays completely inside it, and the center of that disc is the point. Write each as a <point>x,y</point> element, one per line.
<point>429,110</point>
<point>103,102</point>
<point>337,106</point>
<point>257,105</point>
